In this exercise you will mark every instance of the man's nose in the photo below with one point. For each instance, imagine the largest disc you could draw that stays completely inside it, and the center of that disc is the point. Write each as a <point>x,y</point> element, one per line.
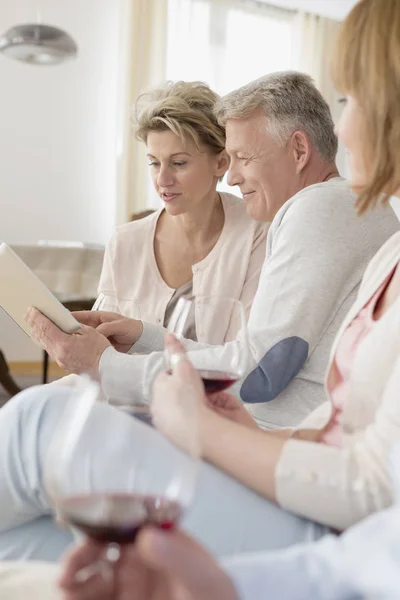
<point>234,176</point>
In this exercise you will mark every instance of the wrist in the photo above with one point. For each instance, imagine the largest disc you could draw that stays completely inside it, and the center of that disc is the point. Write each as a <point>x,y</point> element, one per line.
<point>139,331</point>
<point>208,424</point>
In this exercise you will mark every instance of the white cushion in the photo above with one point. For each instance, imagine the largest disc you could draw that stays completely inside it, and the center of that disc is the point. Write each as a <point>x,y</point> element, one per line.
<point>29,580</point>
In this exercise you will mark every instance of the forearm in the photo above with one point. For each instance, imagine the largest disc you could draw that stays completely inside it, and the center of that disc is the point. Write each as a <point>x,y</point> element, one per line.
<point>248,454</point>
<point>152,340</point>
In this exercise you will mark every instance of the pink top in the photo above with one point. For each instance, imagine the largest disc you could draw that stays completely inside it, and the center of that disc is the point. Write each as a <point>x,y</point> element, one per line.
<point>343,362</point>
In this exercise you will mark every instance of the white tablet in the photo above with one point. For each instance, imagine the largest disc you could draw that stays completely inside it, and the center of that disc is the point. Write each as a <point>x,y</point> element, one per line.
<point>20,288</point>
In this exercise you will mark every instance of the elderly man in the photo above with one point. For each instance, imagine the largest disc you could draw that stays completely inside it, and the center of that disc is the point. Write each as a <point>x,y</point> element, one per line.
<point>282,147</point>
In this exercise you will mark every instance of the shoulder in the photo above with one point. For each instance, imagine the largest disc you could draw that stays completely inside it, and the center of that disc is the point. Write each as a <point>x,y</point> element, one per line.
<point>321,199</point>
<point>134,232</point>
<point>321,211</point>
<point>383,259</point>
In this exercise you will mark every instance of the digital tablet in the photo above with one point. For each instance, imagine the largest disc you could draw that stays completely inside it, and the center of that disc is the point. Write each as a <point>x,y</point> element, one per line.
<point>20,288</point>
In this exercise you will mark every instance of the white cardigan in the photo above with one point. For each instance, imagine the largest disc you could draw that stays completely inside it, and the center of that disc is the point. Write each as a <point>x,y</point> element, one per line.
<point>340,486</point>
<point>232,269</point>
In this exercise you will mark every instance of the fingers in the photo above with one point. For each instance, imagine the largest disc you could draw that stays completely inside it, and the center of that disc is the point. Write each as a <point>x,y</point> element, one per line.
<point>93,318</point>
<point>84,576</point>
<point>181,557</point>
<point>44,330</point>
<point>78,558</point>
<point>113,329</point>
<point>97,587</point>
<point>177,358</point>
<point>135,580</point>
<point>87,317</point>
<point>173,344</point>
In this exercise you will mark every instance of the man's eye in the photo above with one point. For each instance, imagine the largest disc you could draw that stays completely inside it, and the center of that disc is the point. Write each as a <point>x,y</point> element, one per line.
<point>342,100</point>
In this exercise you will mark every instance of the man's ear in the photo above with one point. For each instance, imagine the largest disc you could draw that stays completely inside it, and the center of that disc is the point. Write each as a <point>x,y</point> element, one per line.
<point>222,164</point>
<point>301,149</point>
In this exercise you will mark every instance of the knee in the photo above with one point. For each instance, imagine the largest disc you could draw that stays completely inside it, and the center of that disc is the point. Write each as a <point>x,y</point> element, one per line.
<point>31,403</point>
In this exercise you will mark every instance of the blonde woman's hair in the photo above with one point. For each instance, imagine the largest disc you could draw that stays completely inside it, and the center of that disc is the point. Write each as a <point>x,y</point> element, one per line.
<point>185,108</point>
<point>366,65</point>
<point>291,102</point>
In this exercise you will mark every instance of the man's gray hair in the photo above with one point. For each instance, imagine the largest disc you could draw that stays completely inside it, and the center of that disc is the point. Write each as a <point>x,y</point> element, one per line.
<point>291,102</point>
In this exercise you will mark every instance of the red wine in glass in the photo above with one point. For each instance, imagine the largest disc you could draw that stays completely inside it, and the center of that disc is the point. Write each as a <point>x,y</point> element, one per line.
<point>118,518</point>
<point>217,381</point>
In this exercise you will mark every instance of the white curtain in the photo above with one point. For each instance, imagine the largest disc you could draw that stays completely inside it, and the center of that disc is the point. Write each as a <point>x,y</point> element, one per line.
<point>227,43</point>
<point>143,56</point>
<point>314,38</point>
<point>223,42</point>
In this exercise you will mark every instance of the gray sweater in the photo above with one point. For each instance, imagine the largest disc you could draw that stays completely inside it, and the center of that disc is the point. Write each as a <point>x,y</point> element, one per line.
<point>317,251</point>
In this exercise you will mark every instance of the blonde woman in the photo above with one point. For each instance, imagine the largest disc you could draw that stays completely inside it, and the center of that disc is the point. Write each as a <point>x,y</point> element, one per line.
<point>201,241</point>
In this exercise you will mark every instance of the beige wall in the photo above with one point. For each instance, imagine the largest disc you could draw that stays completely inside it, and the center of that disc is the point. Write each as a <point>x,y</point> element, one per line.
<point>58,137</point>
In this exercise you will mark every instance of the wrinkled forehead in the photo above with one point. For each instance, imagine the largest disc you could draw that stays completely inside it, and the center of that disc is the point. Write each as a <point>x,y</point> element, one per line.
<point>245,135</point>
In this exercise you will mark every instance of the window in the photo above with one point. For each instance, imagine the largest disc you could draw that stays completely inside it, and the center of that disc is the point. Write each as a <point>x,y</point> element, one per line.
<point>227,44</point>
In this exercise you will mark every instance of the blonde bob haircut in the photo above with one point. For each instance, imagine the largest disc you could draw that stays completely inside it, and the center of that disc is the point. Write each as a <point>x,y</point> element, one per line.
<point>366,66</point>
<point>186,109</point>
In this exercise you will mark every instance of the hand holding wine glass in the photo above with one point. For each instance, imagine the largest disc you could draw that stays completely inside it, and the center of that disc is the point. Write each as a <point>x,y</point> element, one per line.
<point>226,363</point>
<point>163,566</point>
<point>108,491</point>
<point>183,383</point>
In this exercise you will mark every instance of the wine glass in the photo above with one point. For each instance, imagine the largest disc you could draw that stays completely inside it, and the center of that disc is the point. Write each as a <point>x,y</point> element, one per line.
<point>108,475</point>
<point>221,366</point>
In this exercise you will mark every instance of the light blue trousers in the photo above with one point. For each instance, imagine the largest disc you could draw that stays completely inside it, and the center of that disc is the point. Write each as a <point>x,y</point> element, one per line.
<point>226,517</point>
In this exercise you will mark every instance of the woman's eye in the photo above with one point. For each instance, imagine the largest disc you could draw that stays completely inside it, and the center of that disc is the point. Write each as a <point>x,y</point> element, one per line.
<point>180,164</point>
<point>342,100</point>
<point>154,164</point>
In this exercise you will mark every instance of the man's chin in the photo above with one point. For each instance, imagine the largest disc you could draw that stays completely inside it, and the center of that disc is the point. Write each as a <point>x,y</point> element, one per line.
<point>254,210</point>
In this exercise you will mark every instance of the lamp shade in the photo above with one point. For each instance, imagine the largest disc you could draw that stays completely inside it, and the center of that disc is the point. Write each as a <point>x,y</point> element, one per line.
<point>38,44</point>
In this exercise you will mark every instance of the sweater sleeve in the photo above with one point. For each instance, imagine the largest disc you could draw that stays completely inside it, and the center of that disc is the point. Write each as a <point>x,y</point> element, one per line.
<point>340,486</point>
<point>334,568</point>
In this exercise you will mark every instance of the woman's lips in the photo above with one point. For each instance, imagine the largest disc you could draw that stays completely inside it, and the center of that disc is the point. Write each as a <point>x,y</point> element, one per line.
<point>169,197</point>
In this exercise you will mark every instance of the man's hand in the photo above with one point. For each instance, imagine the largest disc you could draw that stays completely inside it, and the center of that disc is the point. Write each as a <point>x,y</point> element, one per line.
<point>79,352</point>
<point>121,331</point>
<point>158,566</point>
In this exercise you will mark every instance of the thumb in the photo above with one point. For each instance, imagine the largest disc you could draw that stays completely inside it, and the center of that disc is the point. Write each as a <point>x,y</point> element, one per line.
<point>177,555</point>
<point>173,345</point>
<point>176,357</point>
<point>112,328</point>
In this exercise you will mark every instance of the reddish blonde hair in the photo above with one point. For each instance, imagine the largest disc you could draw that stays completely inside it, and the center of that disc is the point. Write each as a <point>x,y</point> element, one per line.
<point>366,65</point>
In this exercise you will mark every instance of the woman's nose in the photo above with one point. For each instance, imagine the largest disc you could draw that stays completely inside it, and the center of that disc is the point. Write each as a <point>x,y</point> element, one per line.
<point>165,177</point>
